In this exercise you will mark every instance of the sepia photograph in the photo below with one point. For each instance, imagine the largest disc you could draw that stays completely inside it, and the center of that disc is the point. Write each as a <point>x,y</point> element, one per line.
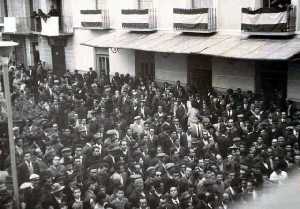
<point>149,104</point>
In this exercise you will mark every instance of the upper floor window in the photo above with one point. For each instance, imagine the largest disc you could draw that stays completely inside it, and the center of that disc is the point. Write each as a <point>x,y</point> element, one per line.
<point>100,4</point>
<point>144,4</point>
<point>202,3</point>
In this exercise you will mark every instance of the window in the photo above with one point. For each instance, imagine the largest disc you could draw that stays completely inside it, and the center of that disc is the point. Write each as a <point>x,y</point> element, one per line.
<point>102,65</point>
<point>100,4</point>
<point>202,3</point>
<point>144,4</point>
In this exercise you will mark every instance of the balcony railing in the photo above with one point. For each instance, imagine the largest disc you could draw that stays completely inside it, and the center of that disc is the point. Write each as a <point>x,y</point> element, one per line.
<point>200,20</point>
<point>53,26</point>
<point>95,19</point>
<point>17,25</point>
<point>1,21</point>
<point>269,21</point>
<point>139,19</point>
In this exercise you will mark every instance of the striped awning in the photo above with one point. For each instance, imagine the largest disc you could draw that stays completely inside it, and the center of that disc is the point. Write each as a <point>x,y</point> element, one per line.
<point>216,45</point>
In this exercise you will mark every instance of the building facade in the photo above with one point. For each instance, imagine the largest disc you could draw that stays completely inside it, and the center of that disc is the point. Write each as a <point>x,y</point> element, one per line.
<point>205,43</point>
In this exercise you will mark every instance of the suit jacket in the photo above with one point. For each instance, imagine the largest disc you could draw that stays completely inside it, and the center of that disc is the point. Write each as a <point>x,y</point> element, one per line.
<point>24,172</point>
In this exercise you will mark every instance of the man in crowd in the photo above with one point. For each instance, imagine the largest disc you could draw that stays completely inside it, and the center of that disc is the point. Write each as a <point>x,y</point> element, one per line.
<point>139,148</point>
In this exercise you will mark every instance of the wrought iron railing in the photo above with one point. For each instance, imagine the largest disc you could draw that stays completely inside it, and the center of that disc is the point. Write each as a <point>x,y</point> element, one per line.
<point>139,19</point>
<point>269,20</point>
<point>95,19</point>
<point>198,20</point>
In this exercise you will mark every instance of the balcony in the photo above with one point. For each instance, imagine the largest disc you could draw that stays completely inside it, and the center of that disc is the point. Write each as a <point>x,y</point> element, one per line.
<point>269,21</point>
<point>17,25</point>
<point>139,19</point>
<point>95,19</point>
<point>200,20</point>
<point>1,21</point>
<point>52,26</point>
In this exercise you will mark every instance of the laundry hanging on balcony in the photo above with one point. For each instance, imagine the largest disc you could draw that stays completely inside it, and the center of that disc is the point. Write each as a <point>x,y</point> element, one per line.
<point>267,20</point>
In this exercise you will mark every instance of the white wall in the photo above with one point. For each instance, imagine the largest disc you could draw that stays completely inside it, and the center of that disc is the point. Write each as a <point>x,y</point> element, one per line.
<point>84,56</point>
<point>229,15</point>
<point>171,67</point>
<point>232,73</point>
<point>122,62</point>
<point>293,84</point>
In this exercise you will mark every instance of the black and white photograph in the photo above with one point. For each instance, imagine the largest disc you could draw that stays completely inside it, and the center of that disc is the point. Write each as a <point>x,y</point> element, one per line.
<point>149,104</point>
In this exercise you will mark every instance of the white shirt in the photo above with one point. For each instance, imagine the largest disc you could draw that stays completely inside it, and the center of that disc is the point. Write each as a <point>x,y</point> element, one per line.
<point>278,178</point>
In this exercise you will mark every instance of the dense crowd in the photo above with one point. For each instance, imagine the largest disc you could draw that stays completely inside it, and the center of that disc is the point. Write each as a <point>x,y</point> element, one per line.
<point>89,142</point>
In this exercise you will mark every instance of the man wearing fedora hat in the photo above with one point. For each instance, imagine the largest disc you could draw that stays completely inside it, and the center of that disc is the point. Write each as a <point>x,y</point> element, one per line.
<point>57,198</point>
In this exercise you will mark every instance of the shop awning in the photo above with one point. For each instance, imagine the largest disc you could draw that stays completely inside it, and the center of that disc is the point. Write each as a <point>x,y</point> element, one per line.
<point>216,45</point>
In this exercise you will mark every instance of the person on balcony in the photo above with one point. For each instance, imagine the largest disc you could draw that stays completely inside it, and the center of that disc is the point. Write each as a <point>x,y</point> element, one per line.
<point>281,4</point>
<point>53,12</point>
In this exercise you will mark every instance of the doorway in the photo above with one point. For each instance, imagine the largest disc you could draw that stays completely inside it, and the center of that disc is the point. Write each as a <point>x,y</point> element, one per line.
<point>58,60</point>
<point>271,78</point>
<point>145,65</point>
<point>199,73</point>
<point>102,67</point>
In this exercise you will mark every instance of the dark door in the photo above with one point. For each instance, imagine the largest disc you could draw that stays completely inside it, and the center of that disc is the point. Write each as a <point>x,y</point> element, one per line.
<point>102,66</point>
<point>35,51</point>
<point>144,65</point>
<point>272,78</point>
<point>58,60</point>
<point>199,73</point>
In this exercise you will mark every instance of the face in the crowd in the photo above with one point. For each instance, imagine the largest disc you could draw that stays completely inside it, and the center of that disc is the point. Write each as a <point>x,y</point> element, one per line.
<point>274,142</point>
<point>55,161</point>
<point>129,132</point>
<point>35,182</point>
<point>96,151</point>
<point>160,109</point>
<point>123,145</point>
<point>27,157</point>
<point>158,175</point>
<point>159,149</point>
<point>78,162</point>
<point>77,193</point>
<point>151,131</point>
<point>143,203</point>
<point>219,178</point>
<point>231,175</point>
<point>173,192</point>
<point>78,151</point>
<point>19,142</point>
<point>281,141</point>
<point>162,202</point>
<point>120,194</point>
<point>139,184</point>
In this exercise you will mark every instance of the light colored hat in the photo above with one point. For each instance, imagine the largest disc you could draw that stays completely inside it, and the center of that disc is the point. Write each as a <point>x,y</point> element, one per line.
<point>56,187</point>
<point>34,176</point>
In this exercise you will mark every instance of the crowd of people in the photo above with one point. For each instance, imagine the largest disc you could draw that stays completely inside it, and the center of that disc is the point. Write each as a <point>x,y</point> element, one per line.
<point>87,142</point>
